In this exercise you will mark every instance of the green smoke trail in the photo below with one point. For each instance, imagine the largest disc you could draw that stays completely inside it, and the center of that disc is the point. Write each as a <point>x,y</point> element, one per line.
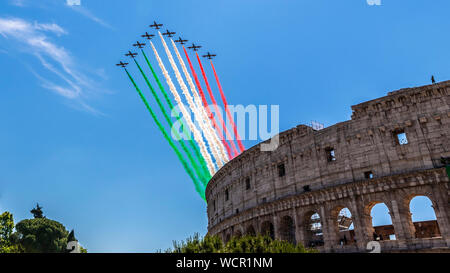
<point>169,102</point>
<point>198,186</point>
<point>198,170</point>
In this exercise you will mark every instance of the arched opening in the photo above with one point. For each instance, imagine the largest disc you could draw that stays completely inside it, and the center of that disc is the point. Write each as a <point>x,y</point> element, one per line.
<point>237,234</point>
<point>344,227</point>
<point>382,227</point>
<point>423,218</point>
<point>287,229</point>
<point>314,233</point>
<point>227,238</point>
<point>250,231</point>
<point>268,229</point>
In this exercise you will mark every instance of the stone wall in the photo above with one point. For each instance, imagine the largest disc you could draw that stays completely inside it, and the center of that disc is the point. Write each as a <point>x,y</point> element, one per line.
<point>353,164</point>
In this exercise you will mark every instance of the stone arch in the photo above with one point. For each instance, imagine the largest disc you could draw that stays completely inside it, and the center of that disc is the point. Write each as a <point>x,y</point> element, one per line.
<point>343,225</point>
<point>250,231</point>
<point>411,229</point>
<point>287,229</point>
<point>425,226</point>
<point>313,229</point>
<point>237,233</point>
<point>379,228</point>
<point>267,228</point>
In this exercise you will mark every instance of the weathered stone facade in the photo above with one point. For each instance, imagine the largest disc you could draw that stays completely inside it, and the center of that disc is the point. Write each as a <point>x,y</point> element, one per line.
<point>389,152</point>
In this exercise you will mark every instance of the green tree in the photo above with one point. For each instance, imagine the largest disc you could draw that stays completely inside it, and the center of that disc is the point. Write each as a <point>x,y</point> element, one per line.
<point>245,244</point>
<point>6,226</point>
<point>8,240</point>
<point>42,235</point>
<point>38,235</point>
<point>195,244</point>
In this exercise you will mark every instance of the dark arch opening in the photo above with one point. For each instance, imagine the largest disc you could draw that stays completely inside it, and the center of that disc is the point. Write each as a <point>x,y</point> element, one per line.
<point>287,229</point>
<point>250,231</point>
<point>268,229</point>
<point>237,234</point>
<point>227,238</point>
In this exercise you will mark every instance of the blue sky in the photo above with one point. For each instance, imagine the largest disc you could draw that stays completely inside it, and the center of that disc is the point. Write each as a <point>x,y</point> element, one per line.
<point>75,137</point>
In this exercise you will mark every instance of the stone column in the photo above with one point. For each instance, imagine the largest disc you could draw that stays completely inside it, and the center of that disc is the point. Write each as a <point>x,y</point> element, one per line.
<point>257,226</point>
<point>441,207</point>
<point>299,230</point>
<point>362,223</point>
<point>328,236</point>
<point>400,220</point>
<point>276,227</point>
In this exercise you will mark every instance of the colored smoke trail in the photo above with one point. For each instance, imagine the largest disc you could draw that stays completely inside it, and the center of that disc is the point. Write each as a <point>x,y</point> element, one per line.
<point>208,87</point>
<point>194,130</point>
<point>197,169</point>
<point>169,102</point>
<point>202,118</point>
<point>198,186</point>
<point>225,103</point>
<point>206,106</point>
<point>189,99</point>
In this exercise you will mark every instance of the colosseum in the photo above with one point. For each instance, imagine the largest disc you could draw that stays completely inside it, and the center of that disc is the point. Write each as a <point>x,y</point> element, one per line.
<point>393,149</point>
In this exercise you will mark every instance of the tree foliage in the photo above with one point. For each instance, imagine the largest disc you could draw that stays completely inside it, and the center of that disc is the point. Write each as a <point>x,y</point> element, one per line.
<point>38,235</point>
<point>6,226</point>
<point>245,244</point>
<point>8,240</point>
<point>41,235</point>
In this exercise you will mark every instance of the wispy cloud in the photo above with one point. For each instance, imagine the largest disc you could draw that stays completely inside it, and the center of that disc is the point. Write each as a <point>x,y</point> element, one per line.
<point>18,3</point>
<point>88,14</point>
<point>34,38</point>
<point>50,27</point>
<point>82,10</point>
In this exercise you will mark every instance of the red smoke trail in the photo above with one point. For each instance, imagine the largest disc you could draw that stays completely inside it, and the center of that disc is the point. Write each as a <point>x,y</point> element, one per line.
<point>208,87</point>
<point>205,104</point>
<point>225,103</point>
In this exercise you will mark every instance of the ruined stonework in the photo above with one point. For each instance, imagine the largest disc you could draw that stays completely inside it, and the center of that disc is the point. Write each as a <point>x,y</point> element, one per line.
<point>393,149</point>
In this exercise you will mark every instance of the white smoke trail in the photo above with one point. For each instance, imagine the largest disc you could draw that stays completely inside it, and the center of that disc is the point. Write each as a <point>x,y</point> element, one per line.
<point>189,99</point>
<point>197,136</point>
<point>212,137</point>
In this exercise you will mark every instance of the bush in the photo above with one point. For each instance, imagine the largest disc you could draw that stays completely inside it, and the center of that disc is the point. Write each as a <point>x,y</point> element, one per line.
<point>245,244</point>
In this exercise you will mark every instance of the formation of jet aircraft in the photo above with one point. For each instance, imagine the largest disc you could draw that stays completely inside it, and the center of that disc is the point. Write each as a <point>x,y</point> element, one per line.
<point>168,33</point>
